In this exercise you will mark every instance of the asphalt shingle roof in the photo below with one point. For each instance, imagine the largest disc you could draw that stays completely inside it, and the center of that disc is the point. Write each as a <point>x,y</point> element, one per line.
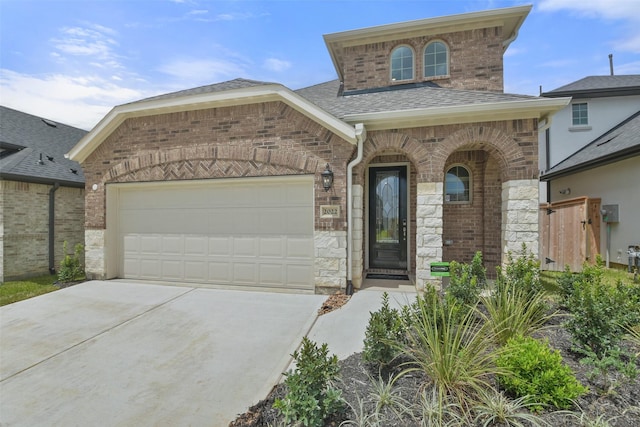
<point>622,141</point>
<point>326,96</point>
<point>24,138</point>
<point>217,87</point>
<point>591,84</point>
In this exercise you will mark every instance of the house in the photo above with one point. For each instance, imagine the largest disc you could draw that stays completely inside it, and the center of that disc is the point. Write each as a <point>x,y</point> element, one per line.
<point>592,149</point>
<point>41,194</point>
<point>424,157</point>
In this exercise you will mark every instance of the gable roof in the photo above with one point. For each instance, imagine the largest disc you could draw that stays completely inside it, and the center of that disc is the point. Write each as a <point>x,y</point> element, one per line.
<point>230,93</point>
<point>599,86</point>
<point>410,105</point>
<point>510,19</point>
<point>619,143</point>
<point>26,139</point>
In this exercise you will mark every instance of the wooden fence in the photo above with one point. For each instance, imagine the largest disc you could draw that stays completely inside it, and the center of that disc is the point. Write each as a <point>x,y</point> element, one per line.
<point>569,233</point>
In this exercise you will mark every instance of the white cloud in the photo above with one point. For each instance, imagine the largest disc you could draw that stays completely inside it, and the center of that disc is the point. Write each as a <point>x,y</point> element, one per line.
<point>618,9</point>
<point>625,11</point>
<point>76,101</point>
<point>277,65</point>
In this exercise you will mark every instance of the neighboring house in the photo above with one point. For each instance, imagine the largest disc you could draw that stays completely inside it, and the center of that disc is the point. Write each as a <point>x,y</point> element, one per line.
<point>593,149</point>
<point>41,194</point>
<point>223,184</point>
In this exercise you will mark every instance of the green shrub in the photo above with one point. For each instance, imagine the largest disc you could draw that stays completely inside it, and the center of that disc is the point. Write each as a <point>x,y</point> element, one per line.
<point>511,311</point>
<point>453,350</point>
<point>385,332</point>
<point>605,367</point>
<point>600,312</point>
<point>466,280</point>
<point>70,266</point>
<point>537,371</point>
<point>311,397</point>
<point>523,272</point>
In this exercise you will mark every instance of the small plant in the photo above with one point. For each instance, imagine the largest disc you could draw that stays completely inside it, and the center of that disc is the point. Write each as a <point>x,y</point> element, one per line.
<point>606,366</point>
<point>466,280</point>
<point>633,335</point>
<point>522,272</point>
<point>512,311</point>
<point>435,410</point>
<point>599,311</point>
<point>495,408</point>
<point>386,395</point>
<point>311,397</point>
<point>537,371</point>
<point>362,417</point>
<point>454,351</point>
<point>70,266</point>
<point>385,332</point>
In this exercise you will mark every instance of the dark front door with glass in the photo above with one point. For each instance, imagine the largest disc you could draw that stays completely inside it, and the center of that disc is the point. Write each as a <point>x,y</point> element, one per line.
<point>388,217</point>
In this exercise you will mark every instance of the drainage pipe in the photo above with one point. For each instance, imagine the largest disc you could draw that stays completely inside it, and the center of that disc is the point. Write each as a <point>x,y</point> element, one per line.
<point>52,219</point>
<point>361,135</point>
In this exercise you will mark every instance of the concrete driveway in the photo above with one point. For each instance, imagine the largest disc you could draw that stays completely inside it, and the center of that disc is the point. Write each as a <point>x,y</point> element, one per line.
<point>129,354</point>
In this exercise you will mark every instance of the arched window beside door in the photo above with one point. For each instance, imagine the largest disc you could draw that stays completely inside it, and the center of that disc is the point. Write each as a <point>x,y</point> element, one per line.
<point>457,186</point>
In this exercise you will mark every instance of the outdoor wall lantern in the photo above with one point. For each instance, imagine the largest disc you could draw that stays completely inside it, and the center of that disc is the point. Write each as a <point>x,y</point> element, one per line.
<point>327,178</point>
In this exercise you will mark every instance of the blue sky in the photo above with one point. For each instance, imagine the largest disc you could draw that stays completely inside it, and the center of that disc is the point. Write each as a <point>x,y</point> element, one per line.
<point>72,61</point>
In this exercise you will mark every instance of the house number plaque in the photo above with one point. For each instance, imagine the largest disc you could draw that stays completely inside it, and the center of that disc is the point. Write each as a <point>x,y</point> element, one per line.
<point>329,211</point>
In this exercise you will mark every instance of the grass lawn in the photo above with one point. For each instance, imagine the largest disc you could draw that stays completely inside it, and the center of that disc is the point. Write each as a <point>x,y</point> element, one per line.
<point>611,276</point>
<point>27,288</point>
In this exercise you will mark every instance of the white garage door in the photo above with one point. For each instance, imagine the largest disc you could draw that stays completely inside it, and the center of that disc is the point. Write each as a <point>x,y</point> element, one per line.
<point>245,232</point>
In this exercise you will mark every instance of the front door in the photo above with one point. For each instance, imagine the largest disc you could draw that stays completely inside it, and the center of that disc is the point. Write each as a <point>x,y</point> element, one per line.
<point>388,217</point>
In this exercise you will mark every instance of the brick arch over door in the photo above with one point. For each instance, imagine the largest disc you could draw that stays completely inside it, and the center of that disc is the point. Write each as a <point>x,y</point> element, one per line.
<point>502,147</point>
<point>390,143</point>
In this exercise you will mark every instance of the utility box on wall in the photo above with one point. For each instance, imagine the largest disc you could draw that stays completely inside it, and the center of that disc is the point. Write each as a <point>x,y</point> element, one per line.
<point>609,213</point>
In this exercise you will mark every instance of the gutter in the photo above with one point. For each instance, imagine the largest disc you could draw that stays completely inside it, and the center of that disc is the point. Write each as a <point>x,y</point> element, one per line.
<point>361,135</point>
<point>52,217</point>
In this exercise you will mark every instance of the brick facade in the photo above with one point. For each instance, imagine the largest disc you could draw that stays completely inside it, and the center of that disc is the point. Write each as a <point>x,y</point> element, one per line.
<point>368,66</point>
<point>24,215</point>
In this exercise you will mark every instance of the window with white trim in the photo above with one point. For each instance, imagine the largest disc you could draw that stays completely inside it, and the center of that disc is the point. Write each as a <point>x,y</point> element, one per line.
<point>436,60</point>
<point>580,114</point>
<point>457,185</point>
<point>402,63</point>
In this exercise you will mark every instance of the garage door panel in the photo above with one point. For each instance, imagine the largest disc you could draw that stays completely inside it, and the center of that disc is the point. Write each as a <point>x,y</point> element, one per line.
<point>271,247</point>
<point>220,272</point>
<point>171,270</point>
<point>245,273</point>
<point>245,247</point>
<point>172,245</point>
<point>196,246</point>
<point>236,232</point>
<point>299,248</point>
<point>220,246</point>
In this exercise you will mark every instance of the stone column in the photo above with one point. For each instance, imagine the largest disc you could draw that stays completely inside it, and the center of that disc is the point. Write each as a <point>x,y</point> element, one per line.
<point>519,216</point>
<point>428,231</point>
<point>330,260</point>
<point>357,251</point>
<point>94,254</point>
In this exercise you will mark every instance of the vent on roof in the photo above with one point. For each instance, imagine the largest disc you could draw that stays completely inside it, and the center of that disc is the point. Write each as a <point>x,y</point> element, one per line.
<point>50,158</point>
<point>74,171</point>
<point>50,123</point>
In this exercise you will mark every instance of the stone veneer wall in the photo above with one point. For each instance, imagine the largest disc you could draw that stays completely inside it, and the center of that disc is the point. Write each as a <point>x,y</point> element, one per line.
<point>429,228</point>
<point>357,249</point>
<point>520,216</point>
<point>24,230</point>
<point>330,260</point>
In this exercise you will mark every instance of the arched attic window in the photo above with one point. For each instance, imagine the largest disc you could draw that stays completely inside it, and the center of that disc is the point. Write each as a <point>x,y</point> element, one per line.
<point>402,63</point>
<point>457,186</point>
<point>436,60</point>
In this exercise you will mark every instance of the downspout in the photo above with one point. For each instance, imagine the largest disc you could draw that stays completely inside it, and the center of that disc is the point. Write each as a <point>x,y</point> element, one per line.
<point>361,135</point>
<point>52,218</point>
<point>547,145</point>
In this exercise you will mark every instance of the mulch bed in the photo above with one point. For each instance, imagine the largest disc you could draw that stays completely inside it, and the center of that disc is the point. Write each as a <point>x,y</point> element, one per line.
<point>620,407</point>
